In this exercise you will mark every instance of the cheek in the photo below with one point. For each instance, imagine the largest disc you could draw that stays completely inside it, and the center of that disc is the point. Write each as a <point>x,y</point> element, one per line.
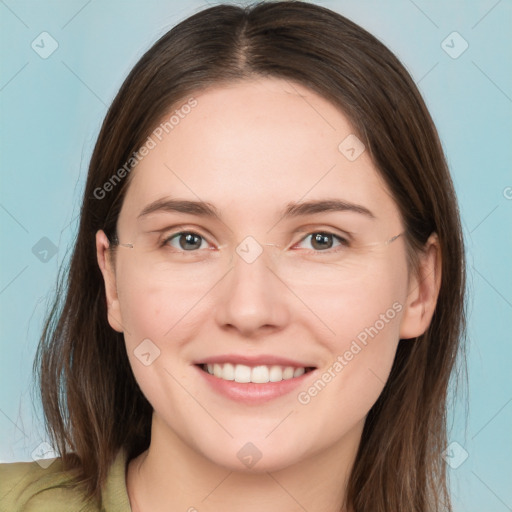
<point>364,320</point>
<point>153,307</point>
<point>364,346</point>
<point>141,309</point>
<point>351,381</point>
<point>157,320</point>
<point>361,308</point>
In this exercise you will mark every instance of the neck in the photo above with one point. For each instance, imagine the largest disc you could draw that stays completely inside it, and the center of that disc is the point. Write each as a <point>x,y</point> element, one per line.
<point>170,475</point>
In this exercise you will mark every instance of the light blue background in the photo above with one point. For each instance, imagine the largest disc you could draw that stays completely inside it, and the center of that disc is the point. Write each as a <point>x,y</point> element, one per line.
<point>51,111</point>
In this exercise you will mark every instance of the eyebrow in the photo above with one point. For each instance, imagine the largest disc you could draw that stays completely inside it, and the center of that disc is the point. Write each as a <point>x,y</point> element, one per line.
<point>293,209</point>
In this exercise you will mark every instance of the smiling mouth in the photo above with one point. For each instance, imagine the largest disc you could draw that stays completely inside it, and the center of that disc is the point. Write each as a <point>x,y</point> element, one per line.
<point>260,374</point>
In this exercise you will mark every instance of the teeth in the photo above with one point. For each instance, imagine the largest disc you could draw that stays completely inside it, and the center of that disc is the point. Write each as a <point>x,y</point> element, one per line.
<point>298,372</point>
<point>275,374</point>
<point>228,372</point>
<point>242,373</point>
<point>257,374</point>
<point>288,373</point>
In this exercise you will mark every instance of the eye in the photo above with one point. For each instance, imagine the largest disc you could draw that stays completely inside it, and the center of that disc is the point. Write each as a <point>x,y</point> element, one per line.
<point>323,241</point>
<point>187,240</point>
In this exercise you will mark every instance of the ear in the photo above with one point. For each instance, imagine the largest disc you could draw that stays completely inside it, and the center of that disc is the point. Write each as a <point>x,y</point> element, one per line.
<point>423,291</point>
<point>109,277</point>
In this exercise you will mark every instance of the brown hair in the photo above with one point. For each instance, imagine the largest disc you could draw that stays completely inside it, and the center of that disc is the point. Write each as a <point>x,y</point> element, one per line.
<point>92,403</point>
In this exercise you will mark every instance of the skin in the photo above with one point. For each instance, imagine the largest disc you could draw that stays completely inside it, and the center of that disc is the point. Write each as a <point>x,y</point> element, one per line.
<point>250,148</point>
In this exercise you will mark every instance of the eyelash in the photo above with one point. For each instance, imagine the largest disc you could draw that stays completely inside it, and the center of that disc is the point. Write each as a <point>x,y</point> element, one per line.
<point>343,242</point>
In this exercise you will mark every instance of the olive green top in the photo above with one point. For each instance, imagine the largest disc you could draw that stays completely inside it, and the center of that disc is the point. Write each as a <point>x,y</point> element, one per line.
<point>29,487</point>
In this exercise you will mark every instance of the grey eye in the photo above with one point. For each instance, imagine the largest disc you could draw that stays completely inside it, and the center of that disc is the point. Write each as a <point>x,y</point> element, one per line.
<point>322,241</point>
<point>188,240</point>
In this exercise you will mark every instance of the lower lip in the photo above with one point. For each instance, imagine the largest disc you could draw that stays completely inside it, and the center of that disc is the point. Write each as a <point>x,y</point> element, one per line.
<point>250,392</point>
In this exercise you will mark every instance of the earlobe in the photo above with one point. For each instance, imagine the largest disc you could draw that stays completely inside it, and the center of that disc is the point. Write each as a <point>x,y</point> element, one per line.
<point>109,278</point>
<point>423,291</point>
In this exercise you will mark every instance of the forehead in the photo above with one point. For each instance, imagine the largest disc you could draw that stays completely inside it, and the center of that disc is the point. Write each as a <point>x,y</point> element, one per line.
<point>252,147</point>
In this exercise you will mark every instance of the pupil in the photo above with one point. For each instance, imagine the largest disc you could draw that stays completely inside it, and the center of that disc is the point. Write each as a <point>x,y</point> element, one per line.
<point>322,239</point>
<point>189,239</point>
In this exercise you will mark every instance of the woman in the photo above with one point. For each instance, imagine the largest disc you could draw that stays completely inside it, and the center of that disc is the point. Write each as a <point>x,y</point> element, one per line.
<point>266,296</point>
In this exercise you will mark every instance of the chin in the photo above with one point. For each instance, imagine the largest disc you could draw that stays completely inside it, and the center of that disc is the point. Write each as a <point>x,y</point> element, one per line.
<point>254,454</point>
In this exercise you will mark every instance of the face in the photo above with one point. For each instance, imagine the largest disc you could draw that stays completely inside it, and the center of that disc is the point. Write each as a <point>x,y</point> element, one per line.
<point>186,296</point>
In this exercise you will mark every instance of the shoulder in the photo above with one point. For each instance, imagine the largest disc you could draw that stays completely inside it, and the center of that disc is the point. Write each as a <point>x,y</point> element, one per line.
<point>31,486</point>
<point>44,486</point>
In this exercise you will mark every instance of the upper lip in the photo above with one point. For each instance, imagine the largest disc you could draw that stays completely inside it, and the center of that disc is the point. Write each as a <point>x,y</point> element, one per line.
<point>257,360</point>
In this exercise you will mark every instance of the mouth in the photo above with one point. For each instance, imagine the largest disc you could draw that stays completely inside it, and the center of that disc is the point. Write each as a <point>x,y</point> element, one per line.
<point>257,374</point>
<point>252,379</point>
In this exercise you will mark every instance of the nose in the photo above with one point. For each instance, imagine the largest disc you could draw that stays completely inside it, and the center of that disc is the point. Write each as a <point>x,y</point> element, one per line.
<point>252,299</point>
